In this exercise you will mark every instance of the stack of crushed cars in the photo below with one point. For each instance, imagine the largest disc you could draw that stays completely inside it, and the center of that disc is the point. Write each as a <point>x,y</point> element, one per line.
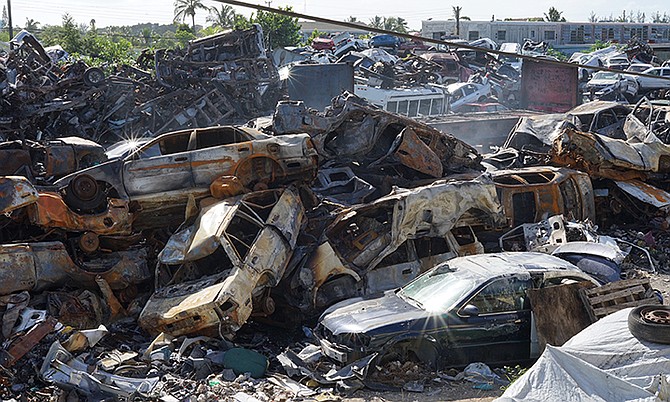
<point>131,273</point>
<point>224,78</point>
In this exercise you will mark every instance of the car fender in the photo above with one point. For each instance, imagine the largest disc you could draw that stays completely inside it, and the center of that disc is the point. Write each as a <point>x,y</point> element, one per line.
<point>428,351</point>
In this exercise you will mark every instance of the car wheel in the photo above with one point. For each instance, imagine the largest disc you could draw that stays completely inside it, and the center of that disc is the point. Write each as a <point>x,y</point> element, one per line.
<point>650,323</point>
<point>481,99</point>
<point>94,76</point>
<point>84,194</point>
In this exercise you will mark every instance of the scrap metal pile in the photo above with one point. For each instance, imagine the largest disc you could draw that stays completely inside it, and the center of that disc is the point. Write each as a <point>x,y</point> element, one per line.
<point>130,274</point>
<point>224,78</point>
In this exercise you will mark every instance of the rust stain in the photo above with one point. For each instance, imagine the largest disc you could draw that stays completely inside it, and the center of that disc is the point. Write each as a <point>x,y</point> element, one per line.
<point>51,211</point>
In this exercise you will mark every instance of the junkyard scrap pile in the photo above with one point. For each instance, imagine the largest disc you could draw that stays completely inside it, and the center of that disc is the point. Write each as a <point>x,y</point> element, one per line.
<point>164,266</point>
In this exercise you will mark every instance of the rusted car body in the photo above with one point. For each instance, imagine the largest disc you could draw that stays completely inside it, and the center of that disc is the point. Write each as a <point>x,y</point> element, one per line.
<point>352,131</point>
<point>55,158</point>
<point>47,265</point>
<point>214,273</point>
<point>164,172</point>
<point>50,211</point>
<point>16,192</point>
<point>532,194</point>
<point>384,244</point>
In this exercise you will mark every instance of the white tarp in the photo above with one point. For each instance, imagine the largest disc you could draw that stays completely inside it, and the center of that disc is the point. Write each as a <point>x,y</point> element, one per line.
<point>604,362</point>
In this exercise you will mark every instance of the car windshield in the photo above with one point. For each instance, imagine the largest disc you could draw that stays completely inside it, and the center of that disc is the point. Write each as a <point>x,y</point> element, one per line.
<point>604,75</point>
<point>439,289</point>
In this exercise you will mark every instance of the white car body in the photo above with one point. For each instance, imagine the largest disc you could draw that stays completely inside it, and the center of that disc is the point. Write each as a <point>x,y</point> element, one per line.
<point>462,93</point>
<point>603,80</point>
<point>655,83</point>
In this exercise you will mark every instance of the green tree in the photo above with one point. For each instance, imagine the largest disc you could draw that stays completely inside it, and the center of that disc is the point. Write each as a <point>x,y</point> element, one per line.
<point>377,22</point>
<point>183,35</point>
<point>593,17</point>
<point>554,15</point>
<point>5,18</point>
<point>31,25</point>
<point>242,22</point>
<point>223,17</point>
<point>279,30</point>
<point>396,24</point>
<point>67,35</point>
<point>186,8</point>
<point>351,19</point>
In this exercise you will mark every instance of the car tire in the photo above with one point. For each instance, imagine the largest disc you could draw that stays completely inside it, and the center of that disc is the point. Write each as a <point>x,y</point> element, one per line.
<point>94,76</point>
<point>650,323</point>
<point>85,194</point>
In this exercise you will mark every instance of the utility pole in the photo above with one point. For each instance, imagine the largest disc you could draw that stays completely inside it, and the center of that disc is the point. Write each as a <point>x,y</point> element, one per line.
<point>9,17</point>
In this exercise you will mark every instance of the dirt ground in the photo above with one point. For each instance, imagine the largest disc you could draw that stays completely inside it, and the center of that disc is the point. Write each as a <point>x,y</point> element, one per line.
<point>460,391</point>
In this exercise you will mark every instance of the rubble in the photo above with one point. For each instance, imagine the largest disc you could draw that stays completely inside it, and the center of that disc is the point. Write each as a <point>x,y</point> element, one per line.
<point>190,260</point>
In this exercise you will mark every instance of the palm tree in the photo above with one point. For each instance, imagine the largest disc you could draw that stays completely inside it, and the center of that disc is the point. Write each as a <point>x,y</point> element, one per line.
<point>377,22</point>
<point>31,25</point>
<point>184,8</point>
<point>224,18</point>
<point>457,17</point>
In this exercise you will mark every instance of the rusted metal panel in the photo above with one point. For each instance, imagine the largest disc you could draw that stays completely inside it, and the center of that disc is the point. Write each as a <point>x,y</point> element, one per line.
<point>13,161</point>
<point>415,154</point>
<point>16,192</point>
<point>548,87</point>
<point>26,342</point>
<point>50,211</point>
<point>47,265</point>
<point>60,160</point>
<point>646,193</point>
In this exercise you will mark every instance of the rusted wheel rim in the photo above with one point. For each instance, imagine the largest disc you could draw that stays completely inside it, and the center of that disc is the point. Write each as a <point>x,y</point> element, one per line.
<point>84,187</point>
<point>89,242</point>
<point>656,316</point>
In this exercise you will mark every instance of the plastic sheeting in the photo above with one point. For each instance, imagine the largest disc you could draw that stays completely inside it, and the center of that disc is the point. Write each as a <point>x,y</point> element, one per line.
<point>604,362</point>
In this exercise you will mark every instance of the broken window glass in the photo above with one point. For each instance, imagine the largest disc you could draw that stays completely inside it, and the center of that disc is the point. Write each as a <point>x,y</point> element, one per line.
<point>502,295</point>
<point>220,136</point>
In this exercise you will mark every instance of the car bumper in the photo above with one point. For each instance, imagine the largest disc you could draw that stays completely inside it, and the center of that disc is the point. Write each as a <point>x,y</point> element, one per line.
<point>335,352</point>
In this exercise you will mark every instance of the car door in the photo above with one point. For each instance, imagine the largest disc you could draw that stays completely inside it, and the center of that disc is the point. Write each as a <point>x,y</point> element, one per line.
<point>665,73</point>
<point>459,98</point>
<point>649,82</point>
<point>499,332</point>
<point>216,151</point>
<point>162,165</point>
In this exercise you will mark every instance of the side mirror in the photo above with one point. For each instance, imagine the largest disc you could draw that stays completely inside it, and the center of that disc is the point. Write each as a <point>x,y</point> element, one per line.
<point>470,310</point>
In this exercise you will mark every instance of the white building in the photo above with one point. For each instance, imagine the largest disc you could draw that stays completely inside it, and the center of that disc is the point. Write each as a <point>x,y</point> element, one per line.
<point>557,34</point>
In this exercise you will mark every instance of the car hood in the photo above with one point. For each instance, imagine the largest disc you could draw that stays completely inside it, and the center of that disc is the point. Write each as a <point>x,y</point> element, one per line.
<point>363,315</point>
<point>601,82</point>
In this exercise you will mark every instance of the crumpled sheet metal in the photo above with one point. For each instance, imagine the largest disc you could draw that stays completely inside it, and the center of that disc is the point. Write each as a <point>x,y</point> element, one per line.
<point>43,265</point>
<point>610,158</point>
<point>433,210</point>
<point>65,370</point>
<point>352,130</point>
<point>16,192</point>
<point>50,211</point>
<point>646,193</point>
<point>203,237</point>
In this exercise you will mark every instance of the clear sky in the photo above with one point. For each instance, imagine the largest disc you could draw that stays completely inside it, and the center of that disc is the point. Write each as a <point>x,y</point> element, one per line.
<point>130,12</point>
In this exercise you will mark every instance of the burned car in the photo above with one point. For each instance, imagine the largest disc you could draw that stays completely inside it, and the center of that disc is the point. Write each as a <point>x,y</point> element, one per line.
<point>48,159</point>
<point>214,273</point>
<point>47,265</point>
<point>164,172</point>
<point>372,141</point>
<point>532,194</point>
<point>469,309</point>
<point>385,244</point>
